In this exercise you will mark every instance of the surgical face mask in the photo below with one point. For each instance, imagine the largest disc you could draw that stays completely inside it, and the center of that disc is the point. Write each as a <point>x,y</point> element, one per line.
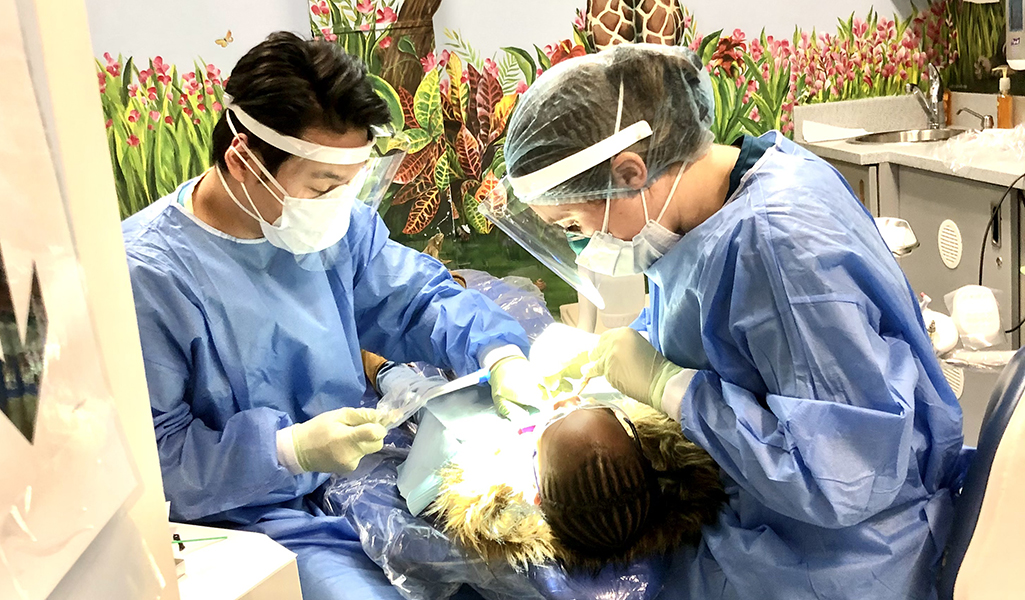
<point>608,255</point>
<point>306,225</point>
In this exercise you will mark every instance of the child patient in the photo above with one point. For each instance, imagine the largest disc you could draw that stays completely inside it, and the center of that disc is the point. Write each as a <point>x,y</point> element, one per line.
<point>609,482</point>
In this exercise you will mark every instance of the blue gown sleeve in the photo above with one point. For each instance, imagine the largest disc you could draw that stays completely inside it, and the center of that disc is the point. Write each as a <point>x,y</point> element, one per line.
<point>408,308</point>
<point>207,468</point>
<point>811,403</point>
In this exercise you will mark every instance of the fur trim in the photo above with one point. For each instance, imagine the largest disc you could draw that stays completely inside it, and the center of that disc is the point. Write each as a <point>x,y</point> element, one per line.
<point>499,520</point>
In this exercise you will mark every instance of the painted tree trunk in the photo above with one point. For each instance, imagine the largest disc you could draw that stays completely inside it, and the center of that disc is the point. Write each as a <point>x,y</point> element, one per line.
<point>416,21</point>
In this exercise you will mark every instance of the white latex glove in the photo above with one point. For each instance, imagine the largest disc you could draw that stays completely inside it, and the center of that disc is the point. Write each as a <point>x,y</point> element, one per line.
<point>332,442</point>
<point>516,387</point>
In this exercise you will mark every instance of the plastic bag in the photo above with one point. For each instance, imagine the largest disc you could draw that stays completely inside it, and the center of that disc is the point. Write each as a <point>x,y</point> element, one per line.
<point>989,145</point>
<point>984,361</point>
<point>976,314</point>
<point>517,296</point>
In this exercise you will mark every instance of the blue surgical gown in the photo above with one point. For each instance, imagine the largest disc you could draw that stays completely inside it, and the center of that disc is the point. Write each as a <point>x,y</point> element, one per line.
<point>241,339</point>
<point>817,392</point>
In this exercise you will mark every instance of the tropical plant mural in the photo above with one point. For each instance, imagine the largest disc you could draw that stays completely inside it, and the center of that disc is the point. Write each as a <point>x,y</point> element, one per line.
<point>451,105</point>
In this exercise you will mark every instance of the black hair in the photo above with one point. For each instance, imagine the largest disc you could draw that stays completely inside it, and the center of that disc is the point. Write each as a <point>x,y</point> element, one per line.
<point>290,84</point>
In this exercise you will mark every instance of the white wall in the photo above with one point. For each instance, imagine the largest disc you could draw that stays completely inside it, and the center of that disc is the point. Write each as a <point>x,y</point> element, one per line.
<point>488,25</point>
<point>180,30</point>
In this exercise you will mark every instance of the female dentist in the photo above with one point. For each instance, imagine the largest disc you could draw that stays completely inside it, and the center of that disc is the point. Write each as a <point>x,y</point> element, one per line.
<point>782,335</point>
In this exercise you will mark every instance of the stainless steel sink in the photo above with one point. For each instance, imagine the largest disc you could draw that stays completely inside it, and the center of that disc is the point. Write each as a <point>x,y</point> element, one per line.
<point>909,136</point>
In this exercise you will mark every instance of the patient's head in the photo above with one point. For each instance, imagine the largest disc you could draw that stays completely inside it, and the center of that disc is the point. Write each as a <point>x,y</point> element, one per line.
<point>597,489</point>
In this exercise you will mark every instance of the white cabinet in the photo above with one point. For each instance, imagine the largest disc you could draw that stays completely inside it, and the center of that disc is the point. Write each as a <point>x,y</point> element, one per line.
<point>864,180</point>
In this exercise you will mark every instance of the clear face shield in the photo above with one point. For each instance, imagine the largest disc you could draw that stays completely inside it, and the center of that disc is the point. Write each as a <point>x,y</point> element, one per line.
<point>326,180</point>
<point>508,207</point>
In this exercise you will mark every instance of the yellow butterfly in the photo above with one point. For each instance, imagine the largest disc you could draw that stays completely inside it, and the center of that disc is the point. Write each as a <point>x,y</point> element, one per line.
<point>227,39</point>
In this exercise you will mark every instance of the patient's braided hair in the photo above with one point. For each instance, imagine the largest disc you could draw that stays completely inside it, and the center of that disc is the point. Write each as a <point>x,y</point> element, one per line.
<point>613,503</point>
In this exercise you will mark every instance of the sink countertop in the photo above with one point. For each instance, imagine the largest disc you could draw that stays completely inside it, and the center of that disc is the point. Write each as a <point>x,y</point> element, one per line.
<point>922,155</point>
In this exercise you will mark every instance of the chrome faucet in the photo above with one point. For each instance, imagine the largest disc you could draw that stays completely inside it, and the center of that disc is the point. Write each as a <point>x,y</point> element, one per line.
<point>986,120</point>
<point>933,104</point>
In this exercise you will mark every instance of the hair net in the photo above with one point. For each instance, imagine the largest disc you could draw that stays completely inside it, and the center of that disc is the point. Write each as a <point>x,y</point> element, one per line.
<point>584,101</point>
<point>596,487</point>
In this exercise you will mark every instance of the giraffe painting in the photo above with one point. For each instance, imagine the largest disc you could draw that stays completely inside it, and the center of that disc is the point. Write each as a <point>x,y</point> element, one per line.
<point>612,22</point>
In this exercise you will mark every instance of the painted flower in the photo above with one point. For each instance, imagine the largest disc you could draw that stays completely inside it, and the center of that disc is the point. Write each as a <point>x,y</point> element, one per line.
<point>144,75</point>
<point>151,93</point>
<point>366,7</point>
<point>169,120</point>
<point>162,68</point>
<point>133,116</point>
<point>445,85</point>
<point>109,123</point>
<point>187,111</point>
<point>102,76</point>
<point>201,107</point>
<point>154,115</point>
<point>521,87</point>
<point>329,35</point>
<point>217,107</point>
<point>429,62</point>
<point>565,51</point>
<point>364,28</point>
<point>491,68</point>
<point>113,66</point>
<point>386,16</point>
<point>729,52</point>
<point>443,58</point>
<point>579,21</point>
<point>133,140</point>
<point>320,9</point>
<point>213,74</point>
<point>385,42</point>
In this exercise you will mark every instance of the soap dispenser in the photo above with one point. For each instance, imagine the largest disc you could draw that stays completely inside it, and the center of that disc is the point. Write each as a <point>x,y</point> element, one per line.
<point>1005,103</point>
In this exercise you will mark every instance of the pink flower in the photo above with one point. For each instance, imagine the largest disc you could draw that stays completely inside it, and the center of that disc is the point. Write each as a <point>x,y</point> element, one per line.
<point>429,62</point>
<point>445,85</point>
<point>860,28</point>
<point>217,107</point>
<point>491,68</point>
<point>133,116</point>
<point>154,115</point>
<point>187,111</point>
<point>331,37</point>
<point>196,121</point>
<point>444,58</point>
<point>366,7</point>
<point>364,27</point>
<point>199,98</point>
<point>201,107</point>
<point>320,9</point>
<point>113,66</point>
<point>540,72</point>
<point>385,42</point>
<point>386,16</point>
<point>169,120</point>
<point>144,75</point>
<point>151,93</point>
<point>521,87</point>
<point>578,22</point>
<point>102,76</point>
<point>133,140</point>
<point>755,116</point>
<point>209,90</point>
<point>109,123</point>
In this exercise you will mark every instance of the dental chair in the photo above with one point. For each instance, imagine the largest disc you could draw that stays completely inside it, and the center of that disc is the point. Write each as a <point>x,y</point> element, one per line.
<point>985,558</point>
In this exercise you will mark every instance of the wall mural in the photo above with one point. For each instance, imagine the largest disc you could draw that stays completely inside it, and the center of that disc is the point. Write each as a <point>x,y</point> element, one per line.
<point>452,105</point>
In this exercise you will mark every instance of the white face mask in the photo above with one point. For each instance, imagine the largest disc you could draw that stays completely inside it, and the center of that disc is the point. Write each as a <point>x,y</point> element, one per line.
<point>306,225</point>
<point>608,255</point>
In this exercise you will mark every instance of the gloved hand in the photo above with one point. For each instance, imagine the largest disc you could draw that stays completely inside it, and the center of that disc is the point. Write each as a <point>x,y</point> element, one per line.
<point>632,366</point>
<point>335,441</point>
<point>516,388</point>
<point>560,353</point>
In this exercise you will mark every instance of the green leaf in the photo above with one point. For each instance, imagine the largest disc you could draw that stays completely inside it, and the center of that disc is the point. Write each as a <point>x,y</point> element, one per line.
<point>442,172</point>
<point>427,104</point>
<point>710,41</point>
<point>471,212</point>
<point>418,139</point>
<point>524,61</point>
<point>386,91</point>
<point>407,46</point>
<point>543,61</point>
